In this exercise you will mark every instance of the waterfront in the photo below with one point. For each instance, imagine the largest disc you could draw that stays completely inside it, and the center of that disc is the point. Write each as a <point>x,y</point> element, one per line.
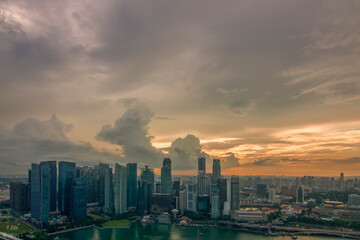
<point>170,232</point>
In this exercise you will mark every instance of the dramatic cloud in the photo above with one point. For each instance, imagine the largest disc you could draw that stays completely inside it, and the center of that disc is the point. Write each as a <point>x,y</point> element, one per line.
<point>131,133</point>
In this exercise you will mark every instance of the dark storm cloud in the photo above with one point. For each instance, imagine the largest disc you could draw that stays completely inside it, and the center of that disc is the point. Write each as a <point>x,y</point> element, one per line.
<point>34,140</point>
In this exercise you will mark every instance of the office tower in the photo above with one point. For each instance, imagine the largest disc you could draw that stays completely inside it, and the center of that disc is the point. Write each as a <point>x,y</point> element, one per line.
<point>191,197</point>
<point>342,181</point>
<point>67,174</point>
<point>300,195</point>
<point>144,197</point>
<point>222,185</point>
<point>203,203</point>
<point>78,199</point>
<point>160,203</point>
<point>204,183</point>
<point>158,187</point>
<point>40,192</point>
<point>120,189</point>
<point>235,194</point>
<point>147,174</point>
<point>166,184</point>
<point>131,172</point>
<point>20,194</point>
<point>216,172</point>
<point>103,169</point>
<point>109,192</point>
<point>215,206</point>
<point>182,200</point>
<point>202,165</point>
<point>261,190</point>
<point>272,193</point>
<point>53,181</point>
<point>92,185</point>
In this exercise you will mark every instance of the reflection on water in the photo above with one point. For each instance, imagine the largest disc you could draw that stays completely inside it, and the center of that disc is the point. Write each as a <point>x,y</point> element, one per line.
<point>170,232</point>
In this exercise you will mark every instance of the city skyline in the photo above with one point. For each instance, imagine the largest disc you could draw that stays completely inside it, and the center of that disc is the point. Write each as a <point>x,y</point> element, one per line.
<point>268,88</point>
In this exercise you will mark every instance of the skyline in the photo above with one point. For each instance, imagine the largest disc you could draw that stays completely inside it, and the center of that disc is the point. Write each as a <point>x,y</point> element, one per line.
<point>269,88</point>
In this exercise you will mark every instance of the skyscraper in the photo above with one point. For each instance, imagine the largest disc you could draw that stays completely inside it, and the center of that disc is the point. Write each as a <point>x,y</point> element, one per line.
<point>166,183</point>
<point>261,190</point>
<point>204,183</point>
<point>131,172</point>
<point>235,194</point>
<point>102,168</point>
<point>191,197</point>
<point>40,192</point>
<point>202,165</point>
<point>67,174</point>
<point>109,192</point>
<point>216,172</point>
<point>20,196</point>
<point>78,199</point>
<point>53,180</point>
<point>300,195</point>
<point>147,174</point>
<point>144,197</point>
<point>120,189</point>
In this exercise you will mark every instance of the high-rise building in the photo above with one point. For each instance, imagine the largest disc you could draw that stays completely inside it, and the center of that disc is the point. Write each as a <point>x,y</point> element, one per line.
<point>202,165</point>
<point>166,183</point>
<point>67,174</point>
<point>191,197</point>
<point>342,181</point>
<point>261,190</point>
<point>215,206</point>
<point>203,203</point>
<point>40,192</point>
<point>92,190</point>
<point>222,185</point>
<point>144,197</point>
<point>160,203</point>
<point>131,171</point>
<point>204,183</point>
<point>120,189</point>
<point>109,192</point>
<point>300,195</point>
<point>103,168</point>
<point>20,196</point>
<point>53,181</point>
<point>182,200</point>
<point>148,175</point>
<point>216,172</point>
<point>78,199</point>
<point>235,193</point>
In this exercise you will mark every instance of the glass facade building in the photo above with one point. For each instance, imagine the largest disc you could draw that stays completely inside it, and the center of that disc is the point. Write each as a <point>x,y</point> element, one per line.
<point>131,172</point>
<point>67,174</point>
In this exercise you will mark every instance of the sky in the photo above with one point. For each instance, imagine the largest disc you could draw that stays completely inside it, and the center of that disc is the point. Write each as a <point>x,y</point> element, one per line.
<point>267,87</point>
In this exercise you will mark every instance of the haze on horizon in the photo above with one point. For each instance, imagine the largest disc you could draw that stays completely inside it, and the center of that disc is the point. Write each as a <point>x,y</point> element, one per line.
<point>268,87</point>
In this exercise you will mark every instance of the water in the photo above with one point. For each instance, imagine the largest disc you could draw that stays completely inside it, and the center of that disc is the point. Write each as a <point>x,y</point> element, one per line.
<point>171,232</point>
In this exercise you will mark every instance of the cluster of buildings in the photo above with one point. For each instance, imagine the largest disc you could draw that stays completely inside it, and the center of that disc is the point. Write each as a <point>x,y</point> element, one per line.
<point>67,190</point>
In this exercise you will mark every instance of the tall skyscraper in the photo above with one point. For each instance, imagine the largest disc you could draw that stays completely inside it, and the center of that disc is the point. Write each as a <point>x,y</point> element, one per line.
<point>67,174</point>
<point>147,174</point>
<point>131,172</point>
<point>109,192</point>
<point>182,200</point>
<point>222,184</point>
<point>204,183</point>
<point>235,194</point>
<point>92,190</point>
<point>144,197</point>
<point>40,192</point>
<point>53,181</point>
<point>78,199</point>
<point>202,165</point>
<point>103,169</point>
<point>191,197</point>
<point>216,172</point>
<point>300,195</point>
<point>120,189</point>
<point>166,183</point>
<point>20,196</point>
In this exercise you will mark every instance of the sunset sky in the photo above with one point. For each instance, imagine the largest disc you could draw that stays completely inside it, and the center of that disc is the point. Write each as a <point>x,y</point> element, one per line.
<point>268,87</point>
